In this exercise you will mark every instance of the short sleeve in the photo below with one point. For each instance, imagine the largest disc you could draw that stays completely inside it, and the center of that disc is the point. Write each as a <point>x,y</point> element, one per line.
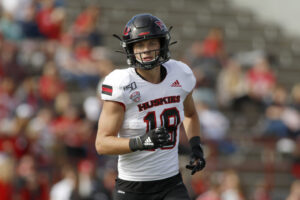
<point>111,89</point>
<point>188,77</point>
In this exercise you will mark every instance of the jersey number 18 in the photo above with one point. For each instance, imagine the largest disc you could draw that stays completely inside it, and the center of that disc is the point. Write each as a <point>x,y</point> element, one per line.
<point>170,119</point>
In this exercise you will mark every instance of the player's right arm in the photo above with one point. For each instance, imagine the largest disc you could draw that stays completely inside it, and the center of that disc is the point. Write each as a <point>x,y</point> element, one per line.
<point>112,116</point>
<point>109,124</point>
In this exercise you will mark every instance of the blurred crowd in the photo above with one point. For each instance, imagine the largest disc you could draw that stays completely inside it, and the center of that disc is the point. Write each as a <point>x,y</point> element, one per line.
<point>50,67</point>
<point>238,96</point>
<point>47,129</point>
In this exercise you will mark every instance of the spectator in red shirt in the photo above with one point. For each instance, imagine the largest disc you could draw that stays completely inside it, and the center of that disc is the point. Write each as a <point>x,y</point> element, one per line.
<point>29,183</point>
<point>50,84</point>
<point>206,58</point>
<point>73,132</point>
<point>85,26</point>
<point>261,79</point>
<point>213,44</point>
<point>50,20</point>
<point>82,50</point>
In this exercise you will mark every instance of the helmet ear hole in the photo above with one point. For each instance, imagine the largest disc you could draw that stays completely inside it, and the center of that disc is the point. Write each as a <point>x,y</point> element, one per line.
<point>143,27</point>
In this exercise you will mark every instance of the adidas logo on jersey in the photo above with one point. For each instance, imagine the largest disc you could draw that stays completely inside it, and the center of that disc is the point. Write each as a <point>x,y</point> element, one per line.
<point>148,142</point>
<point>176,84</point>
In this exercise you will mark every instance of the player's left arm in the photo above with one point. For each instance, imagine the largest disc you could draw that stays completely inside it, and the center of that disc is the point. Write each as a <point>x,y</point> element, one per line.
<point>191,122</point>
<point>192,128</point>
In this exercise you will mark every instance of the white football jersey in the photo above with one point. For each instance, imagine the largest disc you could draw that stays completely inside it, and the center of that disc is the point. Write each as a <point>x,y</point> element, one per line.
<point>148,106</point>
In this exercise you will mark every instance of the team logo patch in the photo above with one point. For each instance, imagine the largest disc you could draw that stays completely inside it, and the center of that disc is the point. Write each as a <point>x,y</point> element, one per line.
<point>107,89</point>
<point>135,96</point>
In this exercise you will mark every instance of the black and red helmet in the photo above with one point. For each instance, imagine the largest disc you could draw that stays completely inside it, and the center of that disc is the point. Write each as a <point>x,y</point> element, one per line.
<point>143,27</point>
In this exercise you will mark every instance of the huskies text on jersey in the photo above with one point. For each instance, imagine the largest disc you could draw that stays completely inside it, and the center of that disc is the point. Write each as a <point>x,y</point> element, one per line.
<point>158,102</point>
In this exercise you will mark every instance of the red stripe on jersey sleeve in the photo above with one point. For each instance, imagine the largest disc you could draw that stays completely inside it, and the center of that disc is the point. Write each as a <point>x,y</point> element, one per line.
<point>107,89</point>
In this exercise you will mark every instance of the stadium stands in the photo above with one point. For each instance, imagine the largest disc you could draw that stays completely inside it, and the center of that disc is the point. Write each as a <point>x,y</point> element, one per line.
<point>26,66</point>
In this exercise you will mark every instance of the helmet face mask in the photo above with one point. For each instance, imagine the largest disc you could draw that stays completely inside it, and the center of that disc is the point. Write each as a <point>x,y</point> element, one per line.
<point>144,27</point>
<point>139,57</point>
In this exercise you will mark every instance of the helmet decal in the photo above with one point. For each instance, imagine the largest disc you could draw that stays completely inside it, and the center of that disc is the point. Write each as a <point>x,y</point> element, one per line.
<point>126,30</point>
<point>160,25</point>
<point>144,33</point>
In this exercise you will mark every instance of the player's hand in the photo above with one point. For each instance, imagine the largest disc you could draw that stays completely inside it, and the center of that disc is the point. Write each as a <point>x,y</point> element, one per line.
<point>197,161</point>
<point>153,139</point>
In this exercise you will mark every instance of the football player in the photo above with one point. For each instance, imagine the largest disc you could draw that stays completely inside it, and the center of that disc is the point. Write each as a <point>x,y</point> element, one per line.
<point>144,106</point>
